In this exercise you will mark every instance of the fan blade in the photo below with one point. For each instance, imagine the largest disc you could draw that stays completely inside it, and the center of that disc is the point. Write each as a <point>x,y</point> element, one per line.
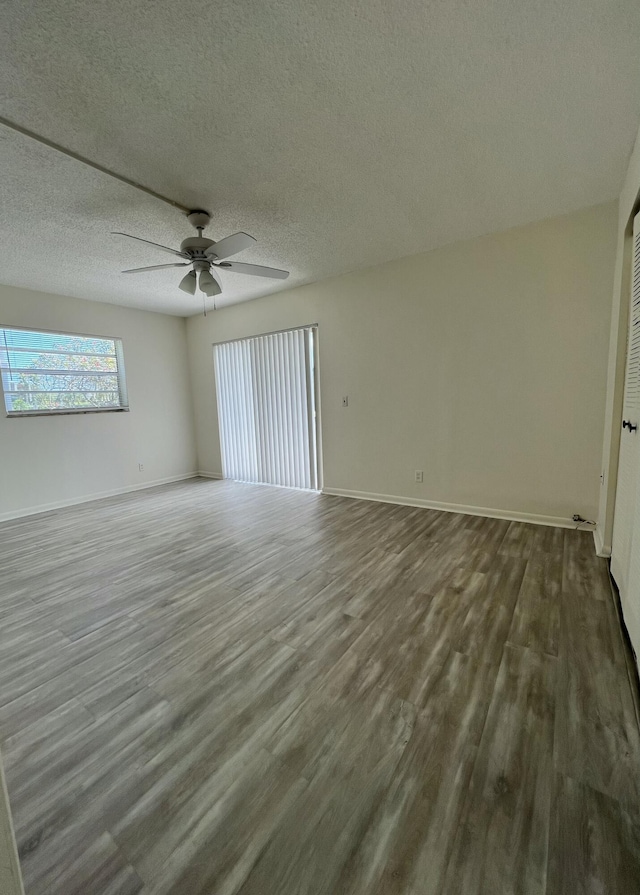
<point>254,270</point>
<point>148,242</point>
<point>230,245</point>
<point>156,267</point>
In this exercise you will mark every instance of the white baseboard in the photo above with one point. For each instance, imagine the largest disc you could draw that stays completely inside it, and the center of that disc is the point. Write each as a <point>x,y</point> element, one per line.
<point>601,550</point>
<point>557,521</point>
<point>98,495</point>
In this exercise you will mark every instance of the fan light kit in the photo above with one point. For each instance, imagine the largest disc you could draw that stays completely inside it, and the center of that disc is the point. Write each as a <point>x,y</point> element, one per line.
<point>197,252</point>
<point>188,283</point>
<point>206,257</point>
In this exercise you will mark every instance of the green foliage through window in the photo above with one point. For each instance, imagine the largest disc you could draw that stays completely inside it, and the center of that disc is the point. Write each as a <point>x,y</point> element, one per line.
<point>44,372</point>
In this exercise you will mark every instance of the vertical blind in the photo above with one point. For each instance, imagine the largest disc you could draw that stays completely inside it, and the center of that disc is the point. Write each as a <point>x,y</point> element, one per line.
<point>266,408</point>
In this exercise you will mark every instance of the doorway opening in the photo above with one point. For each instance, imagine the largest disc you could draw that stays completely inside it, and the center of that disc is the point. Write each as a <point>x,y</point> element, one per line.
<point>267,394</point>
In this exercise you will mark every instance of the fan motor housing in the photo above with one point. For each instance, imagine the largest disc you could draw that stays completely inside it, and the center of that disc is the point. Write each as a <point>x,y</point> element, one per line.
<point>195,246</point>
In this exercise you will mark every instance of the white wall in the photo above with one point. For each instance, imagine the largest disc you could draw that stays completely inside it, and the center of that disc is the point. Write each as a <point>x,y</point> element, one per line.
<point>482,363</point>
<point>52,460</point>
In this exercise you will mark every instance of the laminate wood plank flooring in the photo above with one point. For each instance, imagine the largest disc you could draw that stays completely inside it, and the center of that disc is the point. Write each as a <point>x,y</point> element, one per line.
<point>219,689</point>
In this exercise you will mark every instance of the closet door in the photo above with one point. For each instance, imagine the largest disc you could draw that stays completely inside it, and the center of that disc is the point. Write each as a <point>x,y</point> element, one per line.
<point>627,512</point>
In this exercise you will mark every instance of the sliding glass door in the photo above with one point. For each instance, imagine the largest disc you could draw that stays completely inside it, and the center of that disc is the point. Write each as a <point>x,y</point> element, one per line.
<point>267,414</point>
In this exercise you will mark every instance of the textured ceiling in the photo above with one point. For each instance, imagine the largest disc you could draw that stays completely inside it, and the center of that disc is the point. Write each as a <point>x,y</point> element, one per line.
<point>340,133</point>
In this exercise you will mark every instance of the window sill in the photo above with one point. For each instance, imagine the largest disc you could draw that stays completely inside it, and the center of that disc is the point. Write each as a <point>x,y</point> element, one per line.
<point>28,413</point>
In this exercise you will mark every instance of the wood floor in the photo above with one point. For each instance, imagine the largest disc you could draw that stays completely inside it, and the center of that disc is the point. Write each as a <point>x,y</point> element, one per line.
<point>213,688</point>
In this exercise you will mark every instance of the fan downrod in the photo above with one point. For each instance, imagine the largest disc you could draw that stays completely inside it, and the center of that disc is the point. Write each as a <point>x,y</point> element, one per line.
<point>196,246</point>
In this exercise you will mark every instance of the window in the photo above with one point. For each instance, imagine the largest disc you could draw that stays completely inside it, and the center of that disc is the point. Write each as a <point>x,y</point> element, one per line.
<point>50,372</point>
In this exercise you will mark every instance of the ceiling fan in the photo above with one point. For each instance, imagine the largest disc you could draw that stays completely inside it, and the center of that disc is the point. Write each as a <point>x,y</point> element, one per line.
<point>202,255</point>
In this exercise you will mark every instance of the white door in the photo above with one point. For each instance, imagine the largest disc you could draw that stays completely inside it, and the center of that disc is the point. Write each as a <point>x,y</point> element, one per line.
<point>625,556</point>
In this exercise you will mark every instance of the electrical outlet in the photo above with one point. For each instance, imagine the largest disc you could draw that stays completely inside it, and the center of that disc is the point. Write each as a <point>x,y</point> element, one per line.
<point>419,475</point>
<point>140,467</point>
<point>345,401</point>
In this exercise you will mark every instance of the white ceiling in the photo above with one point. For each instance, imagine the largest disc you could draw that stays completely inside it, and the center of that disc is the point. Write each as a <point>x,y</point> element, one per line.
<point>340,133</point>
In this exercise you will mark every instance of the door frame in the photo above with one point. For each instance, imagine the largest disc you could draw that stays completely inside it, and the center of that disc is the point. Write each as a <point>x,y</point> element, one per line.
<point>10,875</point>
<point>315,330</point>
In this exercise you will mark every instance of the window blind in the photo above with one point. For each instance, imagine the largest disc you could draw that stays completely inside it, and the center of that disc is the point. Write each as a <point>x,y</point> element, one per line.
<point>51,372</point>
<point>265,391</point>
